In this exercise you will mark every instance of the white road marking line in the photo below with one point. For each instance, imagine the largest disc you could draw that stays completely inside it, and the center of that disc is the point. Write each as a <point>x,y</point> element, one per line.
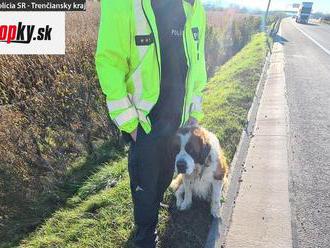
<point>312,39</point>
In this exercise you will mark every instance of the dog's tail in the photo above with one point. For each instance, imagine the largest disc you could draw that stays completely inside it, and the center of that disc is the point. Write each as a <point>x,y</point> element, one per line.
<point>176,182</point>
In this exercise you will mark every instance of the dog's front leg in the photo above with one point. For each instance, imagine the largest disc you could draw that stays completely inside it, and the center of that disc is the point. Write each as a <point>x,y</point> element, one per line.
<point>179,196</point>
<point>216,198</point>
<point>186,204</point>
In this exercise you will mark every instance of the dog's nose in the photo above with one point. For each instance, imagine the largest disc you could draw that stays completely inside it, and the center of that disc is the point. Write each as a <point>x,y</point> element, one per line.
<point>181,165</point>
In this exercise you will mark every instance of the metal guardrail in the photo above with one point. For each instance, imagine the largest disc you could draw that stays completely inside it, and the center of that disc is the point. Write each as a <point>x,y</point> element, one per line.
<point>272,32</point>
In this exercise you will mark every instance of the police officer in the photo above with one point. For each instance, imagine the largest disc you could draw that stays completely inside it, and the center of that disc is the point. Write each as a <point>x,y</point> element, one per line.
<point>151,67</point>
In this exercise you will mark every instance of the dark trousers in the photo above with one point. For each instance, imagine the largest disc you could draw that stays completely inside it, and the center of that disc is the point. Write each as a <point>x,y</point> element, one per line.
<point>151,169</point>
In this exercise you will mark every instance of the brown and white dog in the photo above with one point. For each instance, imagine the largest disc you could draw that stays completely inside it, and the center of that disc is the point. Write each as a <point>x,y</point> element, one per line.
<point>201,167</point>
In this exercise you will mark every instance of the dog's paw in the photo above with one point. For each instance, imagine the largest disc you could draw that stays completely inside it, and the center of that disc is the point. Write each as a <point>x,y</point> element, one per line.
<point>215,210</point>
<point>185,205</point>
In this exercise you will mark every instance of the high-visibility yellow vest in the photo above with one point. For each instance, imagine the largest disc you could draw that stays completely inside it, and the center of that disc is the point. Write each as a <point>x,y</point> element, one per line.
<point>128,61</point>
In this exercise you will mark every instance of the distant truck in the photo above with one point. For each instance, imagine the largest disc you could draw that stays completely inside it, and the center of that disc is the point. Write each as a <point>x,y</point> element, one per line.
<point>304,12</point>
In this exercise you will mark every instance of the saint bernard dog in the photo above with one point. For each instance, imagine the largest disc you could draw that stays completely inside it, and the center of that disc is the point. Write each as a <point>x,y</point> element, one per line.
<point>201,167</point>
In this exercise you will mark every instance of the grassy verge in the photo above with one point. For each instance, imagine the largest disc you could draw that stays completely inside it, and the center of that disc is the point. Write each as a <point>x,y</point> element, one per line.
<point>230,92</point>
<point>72,183</point>
<point>100,213</point>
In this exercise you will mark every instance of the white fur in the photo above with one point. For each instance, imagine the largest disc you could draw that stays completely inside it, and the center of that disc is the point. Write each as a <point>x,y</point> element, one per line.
<point>183,155</point>
<point>198,181</point>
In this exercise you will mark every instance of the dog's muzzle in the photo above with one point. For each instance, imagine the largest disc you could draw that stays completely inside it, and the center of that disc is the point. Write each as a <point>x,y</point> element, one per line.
<point>181,166</point>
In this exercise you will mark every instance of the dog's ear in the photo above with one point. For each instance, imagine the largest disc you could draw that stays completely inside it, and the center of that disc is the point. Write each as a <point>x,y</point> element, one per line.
<point>205,151</point>
<point>204,145</point>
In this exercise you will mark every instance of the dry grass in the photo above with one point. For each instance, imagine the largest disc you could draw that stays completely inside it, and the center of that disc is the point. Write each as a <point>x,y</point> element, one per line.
<point>228,31</point>
<point>51,112</point>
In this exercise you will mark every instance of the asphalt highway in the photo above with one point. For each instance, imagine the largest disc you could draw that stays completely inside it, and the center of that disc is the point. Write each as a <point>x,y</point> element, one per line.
<point>307,73</point>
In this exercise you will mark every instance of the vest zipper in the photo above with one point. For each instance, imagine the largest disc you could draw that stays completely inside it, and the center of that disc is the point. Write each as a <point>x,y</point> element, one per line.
<point>188,73</point>
<point>198,50</point>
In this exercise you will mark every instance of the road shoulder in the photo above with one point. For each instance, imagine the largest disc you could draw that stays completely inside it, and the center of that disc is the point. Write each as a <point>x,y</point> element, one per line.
<point>261,217</point>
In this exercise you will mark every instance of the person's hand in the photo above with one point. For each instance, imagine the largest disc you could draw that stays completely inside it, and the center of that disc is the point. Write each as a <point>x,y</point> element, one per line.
<point>133,134</point>
<point>192,122</point>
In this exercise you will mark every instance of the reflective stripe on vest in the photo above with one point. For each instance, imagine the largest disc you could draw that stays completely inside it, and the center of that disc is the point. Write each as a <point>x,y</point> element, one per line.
<point>125,116</point>
<point>144,105</point>
<point>196,104</point>
<point>141,29</point>
<point>119,104</point>
<point>142,117</point>
<point>128,115</point>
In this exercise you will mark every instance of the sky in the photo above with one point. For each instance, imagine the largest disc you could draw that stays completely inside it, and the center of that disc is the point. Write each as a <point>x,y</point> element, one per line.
<point>319,5</point>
